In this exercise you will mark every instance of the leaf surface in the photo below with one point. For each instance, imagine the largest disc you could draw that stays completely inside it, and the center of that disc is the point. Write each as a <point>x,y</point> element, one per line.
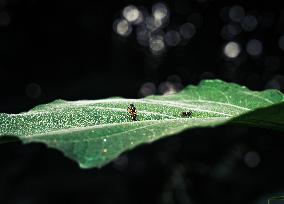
<point>94,132</point>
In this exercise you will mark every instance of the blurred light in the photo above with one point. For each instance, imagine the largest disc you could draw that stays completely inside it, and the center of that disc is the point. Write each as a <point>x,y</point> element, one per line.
<point>4,18</point>
<point>140,19</point>
<point>121,162</point>
<point>167,88</point>
<point>147,89</point>
<point>142,35</point>
<point>281,42</point>
<point>152,23</point>
<point>187,30</point>
<point>172,85</point>
<point>252,159</point>
<point>230,31</point>
<point>172,38</point>
<point>33,90</point>
<point>236,13</point>
<point>273,84</point>
<point>249,23</point>
<point>174,78</point>
<point>238,150</point>
<point>160,11</point>
<point>254,47</point>
<point>277,82</point>
<point>157,44</point>
<point>232,49</point>
<point>272,63</point>
<point>222,170</point>
<point>122,27</point>
<point>131,13</point>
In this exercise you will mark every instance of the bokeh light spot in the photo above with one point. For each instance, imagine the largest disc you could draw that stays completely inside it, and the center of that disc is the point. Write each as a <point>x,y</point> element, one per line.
<point>33,90</point>
<point>187,30</point>
<point>131,13</point>
<point>230,31</point>
<point>160,11</point>
<point>172,38</point>
<point>167,88</point>
<point>147,89</point>
<point>232,50</point>
<point>157,44</point>
<point>142,35</point>
<point>254,47</point>
<point>174,78</point>
<point>152,23</point>
<point>236,13</point>
<point>277,82</point>
<point>122,27</point>
<point>252,159</point>
<point>249,23</point>
<point>121,163</point>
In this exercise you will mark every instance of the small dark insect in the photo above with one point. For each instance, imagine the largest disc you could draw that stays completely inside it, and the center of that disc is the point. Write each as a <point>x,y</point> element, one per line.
<point>132,110</point>
<point>186,114</point>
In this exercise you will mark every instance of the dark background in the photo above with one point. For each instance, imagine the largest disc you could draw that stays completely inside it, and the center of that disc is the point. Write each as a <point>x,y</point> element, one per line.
<point>68,49</point>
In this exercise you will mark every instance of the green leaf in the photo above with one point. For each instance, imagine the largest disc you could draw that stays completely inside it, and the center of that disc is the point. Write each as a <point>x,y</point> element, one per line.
<point>94,132</point>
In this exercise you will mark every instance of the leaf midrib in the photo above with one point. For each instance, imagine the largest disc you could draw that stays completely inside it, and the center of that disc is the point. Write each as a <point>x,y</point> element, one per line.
<point>79,129</point>
<point>158,102</point>
<point>145,101</point>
